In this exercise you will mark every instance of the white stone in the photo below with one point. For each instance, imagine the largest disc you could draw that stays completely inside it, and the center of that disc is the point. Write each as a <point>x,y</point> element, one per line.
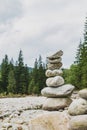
<point>78,107</point>
<point>78,123</point>
<point>55,81</point>
<point>52,104</point>
<point>62,91</point>
<point>55,61</point>
<point>50,121</point>
<point>52,73</point>
<point>54,66</point>
<point>56,55</point>
<point>83,93</point>
<point>7,125</point>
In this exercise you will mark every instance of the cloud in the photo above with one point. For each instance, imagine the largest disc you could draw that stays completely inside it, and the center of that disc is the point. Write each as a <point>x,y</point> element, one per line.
<point>9,9</point>
<point>41,27</point>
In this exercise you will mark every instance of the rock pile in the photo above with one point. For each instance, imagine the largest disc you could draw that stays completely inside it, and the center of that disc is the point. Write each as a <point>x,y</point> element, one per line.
<point>56,92</point>
<point>78,111</point>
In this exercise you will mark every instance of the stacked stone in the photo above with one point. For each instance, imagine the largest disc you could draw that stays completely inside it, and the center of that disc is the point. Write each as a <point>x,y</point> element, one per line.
<point>56,92</point>
<point>78,112</point>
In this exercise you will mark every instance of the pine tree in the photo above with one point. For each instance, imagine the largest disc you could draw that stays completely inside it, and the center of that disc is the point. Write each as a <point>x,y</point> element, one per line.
<point>11,82</point>
<point>19,74</point>
<point>41,74</point>
<point>4,73</point>
<point>37,77</point>
<point>27,78</point>
<point>82,61</point>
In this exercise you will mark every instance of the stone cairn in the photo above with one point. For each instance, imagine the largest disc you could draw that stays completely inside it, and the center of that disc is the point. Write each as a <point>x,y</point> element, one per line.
<point>78,112</point>
<point>58,94</point>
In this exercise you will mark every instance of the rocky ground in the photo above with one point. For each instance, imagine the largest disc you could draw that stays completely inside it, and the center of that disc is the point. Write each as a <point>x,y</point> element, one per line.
<point>15,113</point>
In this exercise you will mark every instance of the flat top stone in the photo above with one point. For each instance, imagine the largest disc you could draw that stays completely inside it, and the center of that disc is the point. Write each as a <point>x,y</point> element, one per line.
<point>56,55</point>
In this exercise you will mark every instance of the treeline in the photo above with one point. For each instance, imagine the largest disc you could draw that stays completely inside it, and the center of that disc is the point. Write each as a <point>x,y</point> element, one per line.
<point>16,77</point>
<point>77,74</point>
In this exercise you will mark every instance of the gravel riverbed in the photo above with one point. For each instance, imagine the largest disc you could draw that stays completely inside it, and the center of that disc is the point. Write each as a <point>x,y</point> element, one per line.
<point>15,113</point>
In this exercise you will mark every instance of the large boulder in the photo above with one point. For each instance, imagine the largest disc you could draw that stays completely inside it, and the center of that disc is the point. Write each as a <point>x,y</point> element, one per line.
<point>52,73</point>
<point>52,104</point>
<point>55,81</point>
<point>78,107</point>
<point>78,123</point>
<point>83,93</point>
<point>62,91</point>
<point>50,121</point>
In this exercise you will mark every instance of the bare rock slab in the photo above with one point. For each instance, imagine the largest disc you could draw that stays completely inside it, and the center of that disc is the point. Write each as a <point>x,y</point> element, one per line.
<point>55,81</point>
<point>78,107</point>
<point>62,91</point>
<point>83,93</point>
<point>52,73</point>
<point>50,121</point>
<point>78,122</point>
<point>53,104</point>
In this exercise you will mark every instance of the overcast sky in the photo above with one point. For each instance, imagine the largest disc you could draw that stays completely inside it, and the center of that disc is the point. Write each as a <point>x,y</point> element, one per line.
<point>41,27</point>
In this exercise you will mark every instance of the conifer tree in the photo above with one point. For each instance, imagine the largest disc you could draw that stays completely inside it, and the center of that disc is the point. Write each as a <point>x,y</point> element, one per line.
<point>81,61</point>
<point>4,73</point>
<point>19,74</point>
<point>41,74</point>
<point>11,88</point>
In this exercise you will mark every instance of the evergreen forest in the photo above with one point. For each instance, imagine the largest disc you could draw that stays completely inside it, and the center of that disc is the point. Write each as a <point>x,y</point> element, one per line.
<point>77,74</point>
<point>18,78</point>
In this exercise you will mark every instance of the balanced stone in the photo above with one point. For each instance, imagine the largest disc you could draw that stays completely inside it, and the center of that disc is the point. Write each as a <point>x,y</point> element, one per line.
<point>52,104</point>
<point>78,107</point>
<point>55,81</point>
<point>55,61</point>
<point>56,72</point>
<point>56,55</point>
<point>83,93</point>
<point>78,122</point>
<point>62,91</point>
<point>54,66</point>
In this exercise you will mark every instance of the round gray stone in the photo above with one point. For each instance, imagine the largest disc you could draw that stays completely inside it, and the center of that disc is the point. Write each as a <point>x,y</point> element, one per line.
<point>83,93</point>
<point>78,107</point>
<point>55,81</point>
<point>78,122</point>
<point>54,66</point>
<point>52,73</point>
